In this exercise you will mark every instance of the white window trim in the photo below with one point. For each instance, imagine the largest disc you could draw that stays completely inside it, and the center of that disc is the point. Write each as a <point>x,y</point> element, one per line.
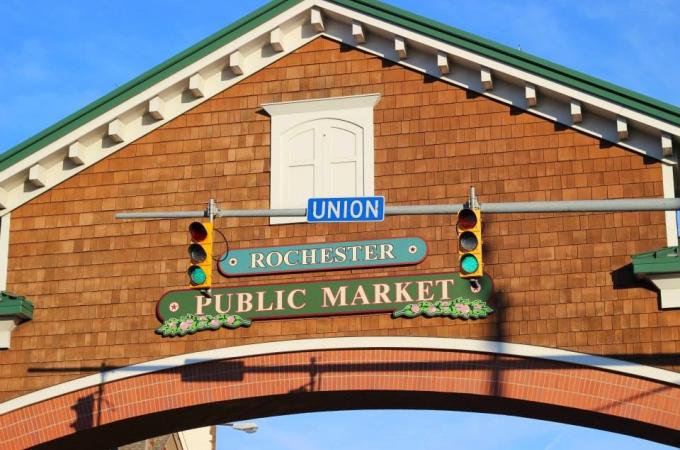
<point>7,324</point>
<point>668,283</point>
<point>671,218</point>
<point>4,250</point>
<point>357,109</point>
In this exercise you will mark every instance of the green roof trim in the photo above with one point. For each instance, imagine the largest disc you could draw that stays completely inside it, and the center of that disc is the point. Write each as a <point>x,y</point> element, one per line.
<point>144,81</point>
<point>379,10</point>
<point>663,260</point>
<point>517,58</point>
<point>15,306</point>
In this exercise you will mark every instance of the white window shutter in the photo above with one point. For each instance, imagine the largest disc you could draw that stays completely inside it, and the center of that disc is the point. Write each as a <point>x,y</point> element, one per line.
<point>300,172</point>
<point>320,148</point>
<point>343,147</point>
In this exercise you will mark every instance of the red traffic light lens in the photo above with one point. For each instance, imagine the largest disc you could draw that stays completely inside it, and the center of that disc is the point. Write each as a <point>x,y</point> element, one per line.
<point>197,253</point>
<point>467,241</point>
<point>198,231</point>
<point>467,219</point>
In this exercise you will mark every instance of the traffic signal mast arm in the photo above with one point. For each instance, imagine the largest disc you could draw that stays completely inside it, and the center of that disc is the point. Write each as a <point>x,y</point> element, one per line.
<point>637,204</point>
<point>468,226</point>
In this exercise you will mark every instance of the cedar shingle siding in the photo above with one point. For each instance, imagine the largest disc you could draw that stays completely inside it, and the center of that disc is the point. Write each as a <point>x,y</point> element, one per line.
<point>561,280</point>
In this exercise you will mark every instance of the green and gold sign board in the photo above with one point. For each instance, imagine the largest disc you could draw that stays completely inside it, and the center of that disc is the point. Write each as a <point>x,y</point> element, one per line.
<point>433,295</point>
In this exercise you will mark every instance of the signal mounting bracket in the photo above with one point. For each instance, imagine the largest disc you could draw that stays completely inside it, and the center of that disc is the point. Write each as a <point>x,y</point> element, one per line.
<point>473,203</point>
<point>210,213</point>
<point>211,210</point>
<point>472,199</point>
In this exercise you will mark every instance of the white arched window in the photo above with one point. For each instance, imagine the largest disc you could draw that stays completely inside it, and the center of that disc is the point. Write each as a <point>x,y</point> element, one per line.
<point>320,148</point>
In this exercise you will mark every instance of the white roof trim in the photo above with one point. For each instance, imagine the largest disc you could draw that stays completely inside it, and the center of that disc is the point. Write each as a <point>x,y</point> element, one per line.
<point>597,126</point>
<point>131,113</point>
<point>297,26</point>
<point>504,68</point>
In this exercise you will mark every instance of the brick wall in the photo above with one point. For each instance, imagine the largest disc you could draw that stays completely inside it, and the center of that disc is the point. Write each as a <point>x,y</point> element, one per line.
<point>225,391</point>
<point>560,279</point>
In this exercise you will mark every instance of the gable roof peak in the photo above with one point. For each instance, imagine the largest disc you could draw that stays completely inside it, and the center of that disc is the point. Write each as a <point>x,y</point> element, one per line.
<point>631,120</point>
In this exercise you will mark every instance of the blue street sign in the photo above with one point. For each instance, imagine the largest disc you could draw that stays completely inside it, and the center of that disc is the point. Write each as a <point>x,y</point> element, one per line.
<point>346,209</point>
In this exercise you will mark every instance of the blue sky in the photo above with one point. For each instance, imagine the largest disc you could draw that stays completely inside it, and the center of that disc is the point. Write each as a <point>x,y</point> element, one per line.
<point>421,430</point>
<point>58,56</point>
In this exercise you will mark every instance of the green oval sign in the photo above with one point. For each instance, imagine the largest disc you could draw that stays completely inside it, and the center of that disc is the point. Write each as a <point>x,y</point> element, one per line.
<point>429,295</point>
<point>319,257</point>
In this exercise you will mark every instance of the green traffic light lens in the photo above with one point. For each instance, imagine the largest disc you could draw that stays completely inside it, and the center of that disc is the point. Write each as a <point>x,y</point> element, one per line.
<point>468,241</point>
<point>197,253</point>
<point>196,275</point>
<point>469,264</point>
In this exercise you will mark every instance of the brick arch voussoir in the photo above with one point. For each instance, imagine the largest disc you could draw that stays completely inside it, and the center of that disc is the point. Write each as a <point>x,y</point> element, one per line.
<point>188,396</point>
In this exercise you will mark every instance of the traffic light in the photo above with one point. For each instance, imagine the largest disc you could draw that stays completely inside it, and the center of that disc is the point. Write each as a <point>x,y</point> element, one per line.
<point>469,229</point>
<point>200,252</point>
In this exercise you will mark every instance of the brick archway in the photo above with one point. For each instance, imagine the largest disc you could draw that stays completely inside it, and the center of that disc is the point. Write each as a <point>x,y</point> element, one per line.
<point>332,374</point>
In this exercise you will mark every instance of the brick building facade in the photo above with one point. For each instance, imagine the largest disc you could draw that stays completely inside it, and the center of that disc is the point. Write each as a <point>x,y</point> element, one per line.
<point>561,280</point>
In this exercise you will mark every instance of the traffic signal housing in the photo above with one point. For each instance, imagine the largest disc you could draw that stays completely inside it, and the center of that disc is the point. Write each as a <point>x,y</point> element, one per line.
<point>469,227</point>
<point>200,253</point>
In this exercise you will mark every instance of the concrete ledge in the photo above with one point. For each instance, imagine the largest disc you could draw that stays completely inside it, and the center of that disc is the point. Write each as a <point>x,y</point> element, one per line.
<point>14,309</point>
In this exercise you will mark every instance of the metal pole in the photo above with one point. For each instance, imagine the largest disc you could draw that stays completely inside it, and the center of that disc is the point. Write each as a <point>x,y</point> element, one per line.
<point>295,212</point>
<point>212,209</point>
<point>472,200</point>
<point>638,204</point>
<point>161,215</point>
<point>642,204</point>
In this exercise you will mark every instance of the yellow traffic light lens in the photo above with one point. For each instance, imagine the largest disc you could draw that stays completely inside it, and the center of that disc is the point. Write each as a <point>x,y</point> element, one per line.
<point>468,241</point>
<point>467,219</point>
<point>196,275</point>
<point>198,231</point>
<point>197,253</point>
<point>469,264</point>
